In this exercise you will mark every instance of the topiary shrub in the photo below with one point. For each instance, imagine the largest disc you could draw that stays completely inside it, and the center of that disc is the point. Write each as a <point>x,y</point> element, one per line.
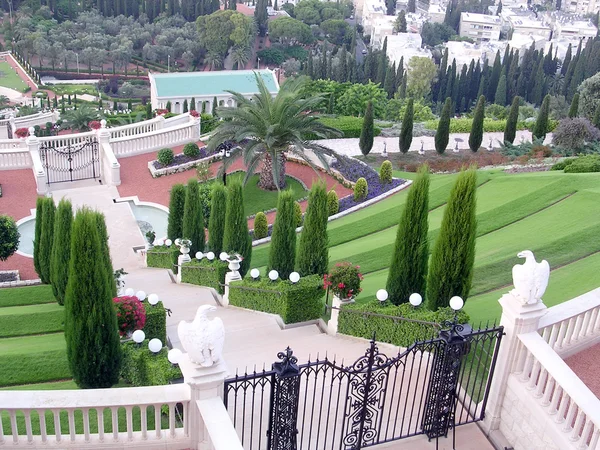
<point>162,256</point>
<point>385,172</point>
<point>191,150</point>
<point>361,189</point>
<point>297,302</point>
<point>584,164</point>
<point>313,249</point>
<point>46,239</point>
<point>176,209</point>
<point>165,156</point>
<point>333,202</point>
<point>131,314</point>
<point>9,237</point>
<point>205,273</point>
<point>61,250</point>
<point>156,321</point>
<point>261,226</point>
<point>298,214</point>
<point>282,252</point>
<point>143,368</point>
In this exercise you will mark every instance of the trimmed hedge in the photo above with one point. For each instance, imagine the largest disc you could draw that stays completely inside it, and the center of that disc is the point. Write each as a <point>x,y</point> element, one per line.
<point>205,273</point>
<point>562,164</point>
<point>165,156</point>
<point>162,256</point>
<point>142,368</point>
<point>387,329</point>
<point>349,125</point>
<point>583,164</point>
<point>463,125</point>
<point>156,322</point>
<point>293,302</point>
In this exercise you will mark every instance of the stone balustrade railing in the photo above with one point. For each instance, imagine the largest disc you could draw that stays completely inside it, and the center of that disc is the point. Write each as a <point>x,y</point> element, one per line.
<point>18,158</point>
<point>179,119</point>
<point>136,128</point>
<point>40,119</point>
<point>112,418</point>
<point>12,144</point>
<point>573,325</point>
<point>67,140</point>
<point>571,408</point>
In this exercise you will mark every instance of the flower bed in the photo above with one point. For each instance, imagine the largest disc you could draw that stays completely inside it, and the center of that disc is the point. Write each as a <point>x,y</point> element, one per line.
<point>181,163</point>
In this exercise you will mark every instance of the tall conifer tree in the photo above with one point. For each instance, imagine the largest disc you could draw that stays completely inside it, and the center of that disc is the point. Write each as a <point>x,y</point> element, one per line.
<point>61,250</point>
<point>216,222</point>
<point>313,249</point>
<point>193,220</point>
<point>442,135</point>
<point>407,127</point>
<point>236,238</point>
<point>511,123</point>
<point>476,135</point>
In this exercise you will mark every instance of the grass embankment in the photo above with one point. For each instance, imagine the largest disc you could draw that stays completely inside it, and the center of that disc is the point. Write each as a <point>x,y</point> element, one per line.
<point>10,79</point>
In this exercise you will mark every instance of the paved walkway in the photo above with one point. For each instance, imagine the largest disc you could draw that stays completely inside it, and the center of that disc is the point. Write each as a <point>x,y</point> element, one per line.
<point>585,365</point>
<point>350,146</point>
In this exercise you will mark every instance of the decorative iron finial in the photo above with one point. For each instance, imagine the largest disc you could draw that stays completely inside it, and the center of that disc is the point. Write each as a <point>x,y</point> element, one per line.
<point>288,365</point>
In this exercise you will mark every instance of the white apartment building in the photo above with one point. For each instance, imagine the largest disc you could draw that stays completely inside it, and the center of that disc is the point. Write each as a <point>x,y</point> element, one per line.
<point>380,28</point>
<point>565,28</point>
<point>581,6</point>
<point>480,27</point>
<point>373,11</point>
<point>464,52</point>
<point>527,25</point>
<point>437,13</point>
<point>405,45</point>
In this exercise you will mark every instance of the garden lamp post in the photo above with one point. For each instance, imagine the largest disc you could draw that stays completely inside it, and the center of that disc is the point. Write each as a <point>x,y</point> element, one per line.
<point>258,62</point>
<point>491,147</point>
<point>226,154</point>
<point>384,154</point>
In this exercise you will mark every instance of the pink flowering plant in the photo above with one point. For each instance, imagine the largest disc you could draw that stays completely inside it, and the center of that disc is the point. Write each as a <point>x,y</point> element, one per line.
<point>194,113</point>
<point>344,280</point>
<point>131,314</point>
<point>21,132</point>
<point>95,124</point>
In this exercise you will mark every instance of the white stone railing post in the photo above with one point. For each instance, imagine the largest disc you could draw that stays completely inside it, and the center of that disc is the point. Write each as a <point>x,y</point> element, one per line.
<point>233,275</point>
<point>517,319</point>
<point>41,180</point>
<point>111,165</point>
<point>332,323</point>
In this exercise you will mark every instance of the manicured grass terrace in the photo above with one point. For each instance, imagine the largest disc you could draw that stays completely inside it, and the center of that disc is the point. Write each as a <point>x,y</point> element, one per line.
<point>10,79</point>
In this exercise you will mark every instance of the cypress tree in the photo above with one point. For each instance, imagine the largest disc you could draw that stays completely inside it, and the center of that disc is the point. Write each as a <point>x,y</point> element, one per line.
<point>382,64</point>
<point>282,253</point>
<point>574,109</point>
<point>168,106</point>
<point>91,331</point>
<point>390,78</point>
<point>451,267</point>
<point>61,250</point>
<point>366,134</point>
<point>176,211</point>
<point>408,269</point>
<point>541,124</point>
<point>442,135</point>
<point>39,223</point>
<point>476,135</point>
<point>216,222</point>
<point>566,61</point>
<point>309,66</point>
<point>538,86</point>
<point>511,123</point>
<point>103,235</point>
<point>500,97</point>
<point>313,250</point>
<point>193,221</point>
<point>185,106</point>
<point>330,104</point>
<point>236,237</point>
<point>402,90</point>
<point>193,104</point>
<point>407,127</point>
<point>495,76</point>
<point>46,239</point>
<point>214,107</point>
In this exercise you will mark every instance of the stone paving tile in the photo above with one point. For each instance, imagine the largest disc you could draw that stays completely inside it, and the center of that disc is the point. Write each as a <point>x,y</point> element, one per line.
<point>585,365</point>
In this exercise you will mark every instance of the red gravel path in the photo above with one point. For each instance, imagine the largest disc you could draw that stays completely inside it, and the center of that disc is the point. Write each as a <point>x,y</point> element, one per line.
<point>585,365</point>
<point>18,198</point>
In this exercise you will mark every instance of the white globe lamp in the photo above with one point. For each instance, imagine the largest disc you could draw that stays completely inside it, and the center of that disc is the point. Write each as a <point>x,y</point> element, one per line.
<point>415,299</point>
<point>155,345</point>
<point>174,355</point>
<point>382,295</point>
<point>294,277</point>
<point>255,273</point>
<point>153,299</point>
<point>141,295</point>
<point>273,275</point>
<point>223,256</point>
<point>168,242</point>
<point>129,292</point>
<point>456,303</point>
<point>138,336</point>
<point>199,255</point>
<point>210,256</point>
<point>177,241</point>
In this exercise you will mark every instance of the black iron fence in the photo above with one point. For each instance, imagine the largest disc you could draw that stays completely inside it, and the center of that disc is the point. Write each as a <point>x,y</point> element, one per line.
<point>428,388</point>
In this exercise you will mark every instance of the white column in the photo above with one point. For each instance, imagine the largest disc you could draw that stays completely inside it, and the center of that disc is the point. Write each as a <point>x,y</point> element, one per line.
<point>112,168</point>
<point>233,275</point>
<point>336,304</point>
<point>41,179</point>
<point>517,318</point>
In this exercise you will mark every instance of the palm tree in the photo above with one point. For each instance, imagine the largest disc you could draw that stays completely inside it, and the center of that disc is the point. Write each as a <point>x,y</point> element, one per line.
<point>79,119</point>
<point>267,127</point>
<point>240,55</point>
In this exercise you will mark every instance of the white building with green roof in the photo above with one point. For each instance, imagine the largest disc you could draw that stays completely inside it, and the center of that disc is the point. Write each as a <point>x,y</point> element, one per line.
<point>204,87</point>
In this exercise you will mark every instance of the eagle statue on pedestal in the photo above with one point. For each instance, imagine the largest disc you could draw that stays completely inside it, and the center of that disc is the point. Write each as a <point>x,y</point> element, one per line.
<point>202,338</point>
<point>530,279</point>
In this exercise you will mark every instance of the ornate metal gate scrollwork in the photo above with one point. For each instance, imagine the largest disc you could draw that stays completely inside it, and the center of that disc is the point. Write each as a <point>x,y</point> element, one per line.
<point>71,162</point>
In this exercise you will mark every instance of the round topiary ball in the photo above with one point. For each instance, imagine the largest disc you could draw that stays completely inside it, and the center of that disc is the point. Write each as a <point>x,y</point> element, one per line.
<point>261,227</point>
<point>191,150</point>
<point>361,189</point>
<point>165,156</point>
<point>333,203</point>
<point>385,172</point>
<point>9,237</point>
<point>298,214</point>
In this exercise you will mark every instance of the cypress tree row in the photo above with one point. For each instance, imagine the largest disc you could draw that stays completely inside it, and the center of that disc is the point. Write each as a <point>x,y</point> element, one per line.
<point>91,332</point>
<point>313,251</point>
<point>366,134</point>
<point>500,97</point>
<point>574,109</point>
<point>442,135</point>
<point>46,239</point>
<point>216,222</point>
<point>476,135</point>
<point>282,252</point>
<point>176,210</point>
<point>451,267</point>
<point>39,223</point>
<point>541,124</point>
<point>236,237</point>
<point>407,127</point>
<point>61,250</point>
<point>511,122</point>
<point>103,235</point>
<point>193,221</point>
<point>408,269</point>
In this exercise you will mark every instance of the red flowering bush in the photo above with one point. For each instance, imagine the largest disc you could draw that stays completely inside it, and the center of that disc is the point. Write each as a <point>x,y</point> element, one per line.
<point>21,132</point>
<point>344,280</point>
<point>161,112</point>
<point>94,125</point>
<point>131,314</point>
<point>194,113</point>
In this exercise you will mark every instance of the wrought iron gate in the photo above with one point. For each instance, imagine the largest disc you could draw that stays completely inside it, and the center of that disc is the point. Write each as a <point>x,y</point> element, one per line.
<point>429,388</point>
<point>71,162</point>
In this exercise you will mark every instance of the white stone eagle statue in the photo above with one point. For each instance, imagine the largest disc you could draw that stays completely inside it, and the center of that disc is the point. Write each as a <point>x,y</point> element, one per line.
<point>530,279</point>
<point>202,338</point>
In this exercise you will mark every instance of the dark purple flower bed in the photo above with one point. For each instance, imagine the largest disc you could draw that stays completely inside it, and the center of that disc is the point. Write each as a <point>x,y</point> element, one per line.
<point>181,158</point>
<point>352,170</point>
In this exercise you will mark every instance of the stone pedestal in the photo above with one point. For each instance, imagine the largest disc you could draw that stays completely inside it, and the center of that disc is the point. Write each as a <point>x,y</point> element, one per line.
<point>230,277</point>
<point>517,318</point>
<point>181,259</point>
<point>205,383</point>
<point>336,303</point>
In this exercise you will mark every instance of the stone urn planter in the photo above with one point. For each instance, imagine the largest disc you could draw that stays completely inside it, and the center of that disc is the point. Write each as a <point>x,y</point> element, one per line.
<point>184,249</point>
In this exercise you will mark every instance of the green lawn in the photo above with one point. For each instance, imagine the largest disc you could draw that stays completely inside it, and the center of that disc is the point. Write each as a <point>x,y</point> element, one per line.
<point>10,79</point>
<point>66,89</point>
<point>30,295</point>
<point>34,319</point>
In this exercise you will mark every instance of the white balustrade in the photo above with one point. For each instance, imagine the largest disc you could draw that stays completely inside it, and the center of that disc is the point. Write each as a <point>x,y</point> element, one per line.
<point>36,119</point>
<point>573,325</point>
<point>114,418</point>
<point>571,405</point>
<point>12,144</point>
<point>135,128</point>
<point>179,119</point>
<point>166,137</point>
<point>19,158</point>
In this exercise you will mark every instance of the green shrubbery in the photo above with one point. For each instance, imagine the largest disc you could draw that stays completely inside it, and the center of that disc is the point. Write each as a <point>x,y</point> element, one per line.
<point>176,208</point>
<point>156,321</point>
<point>297,214</point>
<point>313,249</point>
<point>193,217</point>
<point>165,156</point>
<point>142,368</point>
<point>261,226</point>
<point>207,123</point>
<point>9,237</point>
<point>282,252</point>
<point>583,164</point>
<point>333,202</point>
<point>562,164</point>
<point>293,302</point>
<point>361,189</point>
<point>46,239</point>
<point>350,126</point>
<point>191,150</point>
<point>388,329</point>
<point>385,172</point>
<point>162,256</point>
<point>216,221</point>
<point>205,273</point>
<point>61,250</point>
<point>463,125</point>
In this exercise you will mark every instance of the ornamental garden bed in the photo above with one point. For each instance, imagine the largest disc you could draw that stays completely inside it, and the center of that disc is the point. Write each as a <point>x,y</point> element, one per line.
<point>182,163</point>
